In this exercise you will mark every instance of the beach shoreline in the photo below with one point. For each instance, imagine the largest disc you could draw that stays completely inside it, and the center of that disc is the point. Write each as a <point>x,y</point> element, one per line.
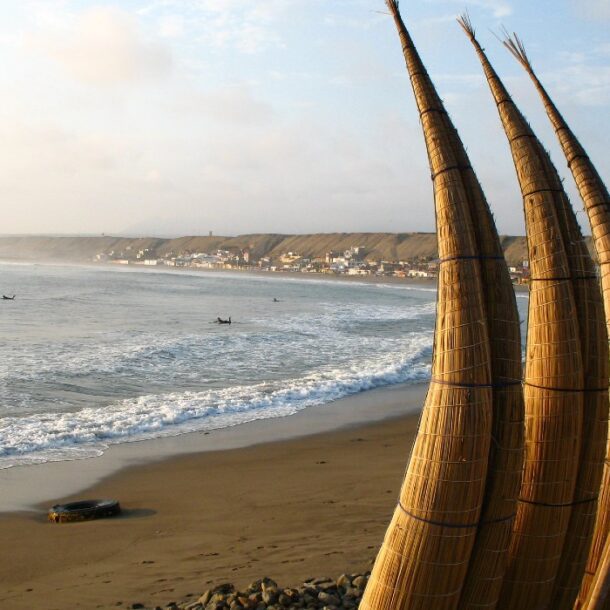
<point>292,497</point>
<point>389,280</point>
<point>316,503</point>
<point>255,273</point>
<point>28,487</point>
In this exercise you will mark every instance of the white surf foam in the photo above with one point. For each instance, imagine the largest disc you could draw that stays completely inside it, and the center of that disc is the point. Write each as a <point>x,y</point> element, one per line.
<point>45,437</point>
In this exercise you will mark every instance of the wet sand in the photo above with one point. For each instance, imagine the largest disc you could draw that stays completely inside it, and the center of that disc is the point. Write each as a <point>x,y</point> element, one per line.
<point>312,505</point>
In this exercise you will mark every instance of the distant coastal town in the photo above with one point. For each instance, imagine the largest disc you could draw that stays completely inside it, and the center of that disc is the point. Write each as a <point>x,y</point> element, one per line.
<point>347,255</point>
<point>350,262</point>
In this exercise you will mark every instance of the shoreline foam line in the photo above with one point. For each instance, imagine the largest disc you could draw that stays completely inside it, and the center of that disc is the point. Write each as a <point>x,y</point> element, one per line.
<point>26,487</point>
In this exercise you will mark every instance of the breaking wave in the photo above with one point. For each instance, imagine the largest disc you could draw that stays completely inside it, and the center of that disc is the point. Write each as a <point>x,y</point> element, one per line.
<point>51,436</point>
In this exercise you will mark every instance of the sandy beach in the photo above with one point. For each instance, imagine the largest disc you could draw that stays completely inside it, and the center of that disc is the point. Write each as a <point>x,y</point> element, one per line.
<point>316,504</point>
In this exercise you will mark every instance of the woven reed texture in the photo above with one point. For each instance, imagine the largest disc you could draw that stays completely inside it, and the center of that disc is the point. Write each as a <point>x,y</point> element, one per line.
<point>598,596</point>
<point>594,342</point>
<point>594,349</point>
<point>591,187</point>
<point>554,372</point>
<point>597,204</point>
<point>425,554</point>
<point>601,534</point>
<point>490,553</point>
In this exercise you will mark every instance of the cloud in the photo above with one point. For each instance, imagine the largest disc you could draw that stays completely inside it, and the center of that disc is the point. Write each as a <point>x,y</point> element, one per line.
<point>571,57</point>
<point>104,46</point>
<point>288,179</point>
<point>436,20</point>
<point>465,81</point>
<point>250,136</point>
<point>584,85</point>
<point>234,105</point>
<point>364,20</point>
<point>171,26</point>
<point>592,9</point>
<point>581,78</point>
<point>65,166</point>
<point>247,37</point>
<point>603,49</point>
<point>498,8</point>
<point>245,26</point>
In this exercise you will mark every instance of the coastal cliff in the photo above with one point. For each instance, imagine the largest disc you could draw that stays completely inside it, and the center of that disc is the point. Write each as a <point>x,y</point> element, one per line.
<point>378,246</point>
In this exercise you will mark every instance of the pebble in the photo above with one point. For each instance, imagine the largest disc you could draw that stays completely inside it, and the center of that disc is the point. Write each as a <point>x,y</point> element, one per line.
<point>342,593</point>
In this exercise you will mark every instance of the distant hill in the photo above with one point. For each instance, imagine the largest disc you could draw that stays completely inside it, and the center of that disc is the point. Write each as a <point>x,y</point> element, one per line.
<point>379,246</point>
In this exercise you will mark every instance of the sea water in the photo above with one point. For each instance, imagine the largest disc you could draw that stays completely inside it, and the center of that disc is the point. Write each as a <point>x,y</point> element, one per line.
<point>93,355</point>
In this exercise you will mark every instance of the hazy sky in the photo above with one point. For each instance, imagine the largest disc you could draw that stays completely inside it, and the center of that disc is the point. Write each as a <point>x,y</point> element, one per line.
<point>182,116</point>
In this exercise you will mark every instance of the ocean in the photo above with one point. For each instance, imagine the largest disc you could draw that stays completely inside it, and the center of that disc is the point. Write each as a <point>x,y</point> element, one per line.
<point>94,356</point>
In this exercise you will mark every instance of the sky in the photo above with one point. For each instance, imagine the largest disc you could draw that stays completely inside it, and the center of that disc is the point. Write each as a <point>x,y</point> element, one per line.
<point>176,117</point>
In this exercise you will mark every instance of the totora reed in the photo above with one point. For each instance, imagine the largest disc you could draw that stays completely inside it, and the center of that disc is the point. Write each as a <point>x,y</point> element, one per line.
<point>451,529</point>
<point>554,376</point>
<point>596,199</point>
<point>598,595</point>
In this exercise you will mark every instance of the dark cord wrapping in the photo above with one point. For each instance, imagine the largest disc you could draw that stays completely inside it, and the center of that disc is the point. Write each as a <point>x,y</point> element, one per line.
<point>504,101</point>
<point>439,110</point>
<point>598,205</point>
<point>541,387</point>
<point>522,135</point>
<point>563,279</point>
<point>454,525</point>
<point>581,156</point>
<point>412,76</point>
<point>447,169</point>
<point>566,505</point>
<point>503,384</point>
<point>542,191</point>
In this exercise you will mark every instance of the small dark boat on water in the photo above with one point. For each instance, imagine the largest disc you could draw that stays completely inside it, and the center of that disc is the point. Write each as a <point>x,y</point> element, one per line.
<point>221,321</point>
<point>5,298</point>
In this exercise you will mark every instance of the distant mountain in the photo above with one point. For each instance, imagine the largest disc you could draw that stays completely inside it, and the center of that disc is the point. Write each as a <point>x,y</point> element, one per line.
<point>378,246</point>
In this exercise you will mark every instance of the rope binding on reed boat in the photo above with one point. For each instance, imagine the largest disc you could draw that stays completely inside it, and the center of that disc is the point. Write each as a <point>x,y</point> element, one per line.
<point>545,190</point>
<point>563,505</point>
<point>461,168</point>
<point>454,525</point>
<point>457,384</point>
<point>563,279</point>
<point>550,389</point>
